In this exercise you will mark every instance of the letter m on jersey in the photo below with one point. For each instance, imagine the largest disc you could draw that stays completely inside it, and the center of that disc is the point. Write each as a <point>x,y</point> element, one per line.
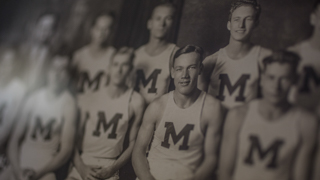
<point>103,121</point>
<point>310,74</point>
<point>272,150</point>
<point>85,79</point>
<point>142,78</point>
<point>184,133</point>
<point>45,130</point>
<point>225,81</point>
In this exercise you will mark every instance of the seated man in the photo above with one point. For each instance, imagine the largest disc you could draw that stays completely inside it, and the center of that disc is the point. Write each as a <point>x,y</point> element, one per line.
<point>107,117</point>
<point>269,138</point>
<point>186,125</point>
<point>43,139</point>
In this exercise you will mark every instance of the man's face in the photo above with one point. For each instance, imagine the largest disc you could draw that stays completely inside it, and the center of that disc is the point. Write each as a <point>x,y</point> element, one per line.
<point>120,69</point>
<point>161,21</point>
<point>185,72</point>
<point>101,29</point>
<point>58,76</point>
<point>276,81</point>
<point>44,28</point>
<point>315,19</point>
<point>7,65</point>
<point>242,23</point>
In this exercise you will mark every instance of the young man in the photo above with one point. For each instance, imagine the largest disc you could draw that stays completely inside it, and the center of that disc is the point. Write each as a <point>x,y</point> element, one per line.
<point>12,93</point>
<point>93,60</point>
<point>186,125</point>
<point>152,59</point>
<point>232,73</point>
<point>43,139</point>
<point>109,115</point>
<point>269,138</point>
<point>35,52</point>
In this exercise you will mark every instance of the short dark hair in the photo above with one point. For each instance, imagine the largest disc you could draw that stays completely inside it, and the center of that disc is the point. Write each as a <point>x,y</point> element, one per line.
<point>315,5</point>
<point>165,4</point>
<point>125,51</point>
<point>282,57</point>
<point>100,14</point>
<point>188,49</point>
<point>238,3</point>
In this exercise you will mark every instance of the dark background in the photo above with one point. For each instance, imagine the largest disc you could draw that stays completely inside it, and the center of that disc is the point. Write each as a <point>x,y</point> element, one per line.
<point>203,23</point>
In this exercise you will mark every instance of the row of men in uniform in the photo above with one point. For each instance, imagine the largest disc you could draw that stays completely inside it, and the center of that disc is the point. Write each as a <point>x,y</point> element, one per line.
<point>268,138</point>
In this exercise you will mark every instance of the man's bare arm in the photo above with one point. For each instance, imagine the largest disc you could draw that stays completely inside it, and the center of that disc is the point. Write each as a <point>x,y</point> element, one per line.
<point>208,66</point>
<point>316,167</point>
<point>229,146</point>
<point>308,129</point>
<point>67,140</point>
<point>137,106</point>
<point>17,136</point>
<point>212,116</point>
<point>139,159</point>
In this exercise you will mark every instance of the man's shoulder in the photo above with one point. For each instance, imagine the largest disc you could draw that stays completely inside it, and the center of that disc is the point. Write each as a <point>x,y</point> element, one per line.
<point>160,102</point>
<point>211,101</point>
<point>81,52</point>
<point>137,100</point>
<point>211,59</point>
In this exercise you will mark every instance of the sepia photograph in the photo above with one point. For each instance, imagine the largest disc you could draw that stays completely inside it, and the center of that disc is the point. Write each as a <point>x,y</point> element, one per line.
<point>160,90</point>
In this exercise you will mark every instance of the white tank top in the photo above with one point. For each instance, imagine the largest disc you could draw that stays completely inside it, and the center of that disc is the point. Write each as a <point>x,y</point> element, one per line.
<point>45,123</point>
<point>107,125</point>
<point>10,98</point>
<point>177,147</point>
<point>93,69</point>
<point>236,81</point>
<point>152,73</point>
<point>309,69</point>
<point>266,149</point>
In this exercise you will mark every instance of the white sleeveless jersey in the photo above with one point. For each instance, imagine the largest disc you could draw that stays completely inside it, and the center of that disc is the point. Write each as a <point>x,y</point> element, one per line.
<point>177,147</point>
<point>308,90</point>
<point>266,149</point>
<point>107,125</point>
<point>44,129</point>
<point>152,73</point>
<point>93,69</point>
<point>234,82</point>
<point>11,98</point>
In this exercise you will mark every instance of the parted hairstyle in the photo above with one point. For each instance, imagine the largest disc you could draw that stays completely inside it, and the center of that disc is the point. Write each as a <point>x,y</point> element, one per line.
<point>188,49</point>
<point>282,57</point>
<point>238,3</point>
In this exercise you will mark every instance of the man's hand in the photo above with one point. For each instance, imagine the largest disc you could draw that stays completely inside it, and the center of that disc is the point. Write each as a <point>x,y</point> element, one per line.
<point>106,173</point>
<point>89,172</point>
<point>28,174</point>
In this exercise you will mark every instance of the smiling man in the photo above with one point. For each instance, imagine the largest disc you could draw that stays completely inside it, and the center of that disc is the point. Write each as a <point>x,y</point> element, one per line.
<point>232,73</point>
<point>269,138</point>
<point>186,125</point>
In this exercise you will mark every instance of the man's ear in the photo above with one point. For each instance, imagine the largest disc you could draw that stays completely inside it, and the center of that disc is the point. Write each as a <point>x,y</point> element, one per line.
<point>228,25</point>
<point>313,19</point>
<point>172,72</point>
<point>149,24</point>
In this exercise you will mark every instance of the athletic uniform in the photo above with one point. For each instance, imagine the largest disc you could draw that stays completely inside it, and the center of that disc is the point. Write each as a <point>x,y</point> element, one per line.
<point>267,149</point>
<point>152,72</point>
<point>105,130</point>
<point>177,148</point>
<point>234,82</point>
<point>308,91</point>
<point>10,100</point>
<point>92,69</point>
<point>43,137</point>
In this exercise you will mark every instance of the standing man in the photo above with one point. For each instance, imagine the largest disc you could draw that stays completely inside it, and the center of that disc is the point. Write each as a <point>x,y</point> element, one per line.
<point>152,59</point>
<point>186,125</point>
<point>12,93</point>
<point>307,92</point>
<point>35,52</point>
<point>110,114</point>
<point>93,60</point>
<point>232,73</point>
<point>43,139</point>
<point>269,138</point>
